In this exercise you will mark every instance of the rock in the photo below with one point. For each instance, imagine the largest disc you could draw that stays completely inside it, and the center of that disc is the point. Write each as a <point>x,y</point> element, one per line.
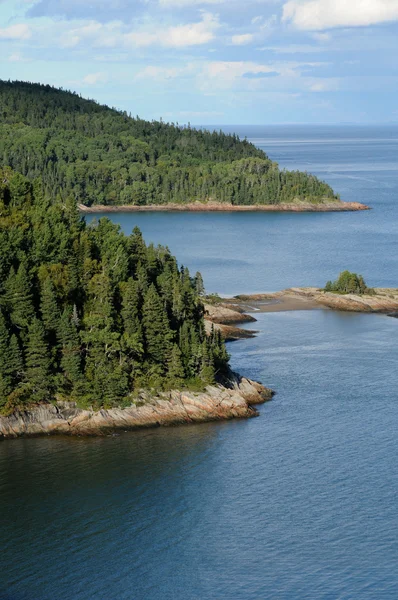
<point>233,399</point>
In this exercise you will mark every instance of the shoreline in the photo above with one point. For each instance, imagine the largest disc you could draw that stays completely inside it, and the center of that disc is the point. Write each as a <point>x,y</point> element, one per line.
<point>233,399</point>
<point>229,313</point>
<point>337,206</point>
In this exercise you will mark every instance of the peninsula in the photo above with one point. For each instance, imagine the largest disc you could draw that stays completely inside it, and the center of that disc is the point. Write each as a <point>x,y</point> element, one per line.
<point>99,331</point>
<point>226,314</point>
<point>105,160</point>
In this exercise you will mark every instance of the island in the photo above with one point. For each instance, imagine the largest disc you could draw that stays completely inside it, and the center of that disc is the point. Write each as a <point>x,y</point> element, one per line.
<point>105,160</point>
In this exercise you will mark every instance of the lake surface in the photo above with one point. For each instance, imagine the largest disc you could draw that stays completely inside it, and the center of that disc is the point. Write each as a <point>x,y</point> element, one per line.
<point>299,503</point>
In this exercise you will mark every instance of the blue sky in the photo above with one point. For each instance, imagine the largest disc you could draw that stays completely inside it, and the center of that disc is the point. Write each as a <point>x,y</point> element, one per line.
<point>212,61</point>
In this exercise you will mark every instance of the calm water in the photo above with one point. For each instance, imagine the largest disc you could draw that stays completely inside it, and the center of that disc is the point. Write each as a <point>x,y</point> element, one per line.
<point>257,252</point>
<point>299,503</point>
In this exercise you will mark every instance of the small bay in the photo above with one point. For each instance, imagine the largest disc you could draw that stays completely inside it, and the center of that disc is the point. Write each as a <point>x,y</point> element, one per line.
<point>298,503</point>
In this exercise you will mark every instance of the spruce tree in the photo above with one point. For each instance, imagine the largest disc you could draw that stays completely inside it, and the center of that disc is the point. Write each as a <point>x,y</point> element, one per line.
<point>199,285</point>
<point>69,341</point>
<point>19,298</point>
<point>16,363</point>
<point>49,307</point>
<point>175,367</point>
<point>38,362</point>
<point>156,327</point>
<point>5,369</point>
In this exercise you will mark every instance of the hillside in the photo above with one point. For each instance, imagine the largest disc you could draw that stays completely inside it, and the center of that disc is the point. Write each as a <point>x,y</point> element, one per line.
<point>99,155</point>
<point>89,314</point>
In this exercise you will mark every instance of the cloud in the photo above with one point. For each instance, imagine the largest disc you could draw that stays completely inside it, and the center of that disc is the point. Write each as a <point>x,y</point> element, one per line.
<point>164,73</point>
<point>260,75</point>
<point>115,34</point>
<point>94,78</point>
<point>241,40</point>
<point>326,85</point>
<point>294,49</point>
<point>187,3</point>
<point>20,31</point>
<point>327,14</point>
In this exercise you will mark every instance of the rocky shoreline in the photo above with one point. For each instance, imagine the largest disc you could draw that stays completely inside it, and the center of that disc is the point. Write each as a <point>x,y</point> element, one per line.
<point>227,313</point>
<point>232,400</point>
<point>335,206</point>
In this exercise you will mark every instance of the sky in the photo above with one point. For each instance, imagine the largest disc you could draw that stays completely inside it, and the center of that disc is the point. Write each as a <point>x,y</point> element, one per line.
<point>212,61</point>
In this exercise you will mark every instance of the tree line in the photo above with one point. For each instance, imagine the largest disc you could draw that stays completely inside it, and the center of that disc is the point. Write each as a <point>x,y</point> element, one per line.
<point>99,155</point>
<point>90,314</point>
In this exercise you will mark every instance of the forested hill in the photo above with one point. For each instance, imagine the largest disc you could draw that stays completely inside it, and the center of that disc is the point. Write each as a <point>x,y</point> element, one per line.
<point>99,155</point>
<point>89,314</point>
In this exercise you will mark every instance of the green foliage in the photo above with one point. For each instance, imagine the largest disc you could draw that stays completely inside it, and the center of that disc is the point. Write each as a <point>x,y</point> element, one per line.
<point>98,155</point>
<point>98,315</point>
<point>349,283</point>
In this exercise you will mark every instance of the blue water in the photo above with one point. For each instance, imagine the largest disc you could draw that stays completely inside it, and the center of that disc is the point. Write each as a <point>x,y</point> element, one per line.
<point>300,503</point>
<point>257,252</point>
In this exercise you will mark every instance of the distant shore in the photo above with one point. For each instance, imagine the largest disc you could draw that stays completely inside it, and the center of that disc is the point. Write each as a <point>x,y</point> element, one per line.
<point>336,206</point>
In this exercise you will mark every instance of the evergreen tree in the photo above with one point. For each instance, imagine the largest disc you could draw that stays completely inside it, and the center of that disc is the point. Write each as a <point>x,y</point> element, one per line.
<point>38,362</point>
<point>49,307</point>
<point>175,367</point>
<point>156,328</point>
<point>16,363</point>
<point>19,297</point>
<point>5,367</point>
<point>71,360</point>
<point>199,285</point>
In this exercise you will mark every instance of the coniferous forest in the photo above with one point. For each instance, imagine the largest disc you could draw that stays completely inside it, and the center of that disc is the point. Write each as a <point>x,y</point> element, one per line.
<point>99,155</point>
<point>89,314</point>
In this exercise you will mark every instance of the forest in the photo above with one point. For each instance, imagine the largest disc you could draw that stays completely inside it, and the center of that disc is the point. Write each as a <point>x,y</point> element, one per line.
<point>90,314</point>
<point>99,155</point>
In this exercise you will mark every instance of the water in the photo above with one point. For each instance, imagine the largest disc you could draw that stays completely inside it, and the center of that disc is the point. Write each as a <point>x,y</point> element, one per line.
<point>299,503</point>
<point>257,252</point>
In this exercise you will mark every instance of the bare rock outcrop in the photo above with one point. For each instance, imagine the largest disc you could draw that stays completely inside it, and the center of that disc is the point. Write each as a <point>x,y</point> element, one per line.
<point>234,399</point>
<point>384,300</point>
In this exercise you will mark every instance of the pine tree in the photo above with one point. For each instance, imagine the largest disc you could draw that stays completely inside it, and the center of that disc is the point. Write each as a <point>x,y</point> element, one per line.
<point>38,362</point>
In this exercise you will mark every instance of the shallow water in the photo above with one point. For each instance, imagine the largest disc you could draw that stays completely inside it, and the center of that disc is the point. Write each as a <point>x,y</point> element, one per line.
<point>299,503</point>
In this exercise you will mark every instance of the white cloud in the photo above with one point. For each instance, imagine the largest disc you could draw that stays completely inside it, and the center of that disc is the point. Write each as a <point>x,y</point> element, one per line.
<point>294,49</point>
<point>164,73</point>
<point>94,78</point>
<point>241,40</point>
<point>114,34</point>
<point>327,14</point>
<point>185,3</point>
<point>326,85</point>
<point>15,32</point>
